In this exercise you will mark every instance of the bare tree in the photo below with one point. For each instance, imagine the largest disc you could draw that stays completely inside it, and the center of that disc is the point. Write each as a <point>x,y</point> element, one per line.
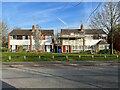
<point>107,18</point>
<point>3,33</point>
<point>37,38</point>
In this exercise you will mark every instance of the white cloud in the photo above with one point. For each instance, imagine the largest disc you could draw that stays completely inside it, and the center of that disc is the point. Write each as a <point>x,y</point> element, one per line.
<point>62,21</point>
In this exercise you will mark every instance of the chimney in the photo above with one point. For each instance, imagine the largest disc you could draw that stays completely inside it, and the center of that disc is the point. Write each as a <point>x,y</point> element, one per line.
<point>81,27</point>
<point>33,28</point>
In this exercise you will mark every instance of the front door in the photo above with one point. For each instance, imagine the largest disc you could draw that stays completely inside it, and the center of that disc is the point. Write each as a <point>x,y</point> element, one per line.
<point>48,48</point>
<point>67,49</point>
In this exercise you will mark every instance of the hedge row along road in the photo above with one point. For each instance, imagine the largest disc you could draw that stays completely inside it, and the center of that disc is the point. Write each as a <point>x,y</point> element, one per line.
<point>9,57</point>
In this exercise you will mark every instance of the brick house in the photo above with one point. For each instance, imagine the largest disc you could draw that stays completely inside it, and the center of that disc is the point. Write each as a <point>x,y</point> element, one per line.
<point>24,38</point>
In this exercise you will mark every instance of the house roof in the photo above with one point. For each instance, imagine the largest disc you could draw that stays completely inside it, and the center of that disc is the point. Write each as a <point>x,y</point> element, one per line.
<point>28,32</point>
<point>20,32</point>
<point>94,31</point>
<point>47,32</point>
<point>87,31</point>
<point>102,42</point>
<point>68,31</point>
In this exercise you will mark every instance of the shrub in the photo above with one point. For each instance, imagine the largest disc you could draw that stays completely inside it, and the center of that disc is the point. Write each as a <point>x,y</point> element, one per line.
<point>88,52</point>
<point>4,49</point>
<point>114,51</point>
<point>20,49</point>
<point>85,52</point>
<point>107,51</point>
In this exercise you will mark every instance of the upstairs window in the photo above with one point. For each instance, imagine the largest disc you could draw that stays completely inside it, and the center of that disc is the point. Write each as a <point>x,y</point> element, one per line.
<point>48,37</point>
<point>14,37</point>
<point>11,37</point>
<point>102,37</point>
<point>26,37</point>
<point>19,37</point>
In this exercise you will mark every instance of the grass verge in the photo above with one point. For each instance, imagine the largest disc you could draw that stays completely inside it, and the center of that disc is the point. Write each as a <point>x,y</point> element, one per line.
<point>23,57</point>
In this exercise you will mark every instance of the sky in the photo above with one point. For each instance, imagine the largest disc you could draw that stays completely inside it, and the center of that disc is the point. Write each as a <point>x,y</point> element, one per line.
<point>49,15</point>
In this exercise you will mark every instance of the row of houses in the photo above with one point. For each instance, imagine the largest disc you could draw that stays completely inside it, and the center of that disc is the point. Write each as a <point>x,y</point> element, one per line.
<point>68,40</point>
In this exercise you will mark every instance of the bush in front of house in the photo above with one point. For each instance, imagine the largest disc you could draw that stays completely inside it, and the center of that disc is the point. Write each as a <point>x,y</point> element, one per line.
<point>88,52</point>
<point>4,49</point>
<point>20,49</point>
<point>107,51</point>
<point>85,52</point>
<point>114,51</point>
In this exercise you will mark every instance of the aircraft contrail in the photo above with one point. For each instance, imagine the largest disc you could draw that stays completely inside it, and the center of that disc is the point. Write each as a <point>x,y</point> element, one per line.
<point>62,21</point>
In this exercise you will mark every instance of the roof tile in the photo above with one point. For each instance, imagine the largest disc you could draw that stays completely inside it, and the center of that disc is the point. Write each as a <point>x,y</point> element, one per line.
<point>28,32</point>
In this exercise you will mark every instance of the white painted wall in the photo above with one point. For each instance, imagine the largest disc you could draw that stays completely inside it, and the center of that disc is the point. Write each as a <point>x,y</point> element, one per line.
<point>19,42</point>
<point>89,41</point>
<point>13,43</point>
<point>73,42</point>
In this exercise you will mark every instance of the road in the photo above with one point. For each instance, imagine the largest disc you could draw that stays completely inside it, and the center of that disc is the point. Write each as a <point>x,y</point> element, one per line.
<point>60,76</point>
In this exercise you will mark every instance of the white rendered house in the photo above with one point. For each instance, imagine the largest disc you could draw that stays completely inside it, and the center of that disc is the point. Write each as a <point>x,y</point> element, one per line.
<point>76,40</point>
<point>20,37</point>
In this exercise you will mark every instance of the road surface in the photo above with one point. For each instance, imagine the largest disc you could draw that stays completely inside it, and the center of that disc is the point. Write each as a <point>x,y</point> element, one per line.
<point>60,76</point>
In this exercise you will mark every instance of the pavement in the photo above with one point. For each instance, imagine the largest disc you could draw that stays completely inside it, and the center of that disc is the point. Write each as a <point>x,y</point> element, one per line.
<point>57,75</point>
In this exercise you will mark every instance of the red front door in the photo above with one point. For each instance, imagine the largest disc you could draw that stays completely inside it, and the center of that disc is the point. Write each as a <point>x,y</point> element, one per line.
<point>64,49</point>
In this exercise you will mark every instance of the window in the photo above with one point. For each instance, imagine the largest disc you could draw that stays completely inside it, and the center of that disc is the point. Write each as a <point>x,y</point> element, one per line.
<point>80,47</point>
<point>102,37</point>
<point>86,47</point>
<point>11,46</point>
<point>106,47</point>
<point>101,47</point>
<point>14,37</point>
<point>19,37</point>
<point>89,47</point>
<point>48,37</point>
<point>11,37</point>
<point>75,47</point>
<point>26,47</point>
<point>26,37</point>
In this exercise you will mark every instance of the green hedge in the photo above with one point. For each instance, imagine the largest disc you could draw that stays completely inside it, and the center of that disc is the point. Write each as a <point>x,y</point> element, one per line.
<point>3,49</point>
<point>107,51</point>
<point>55,57</point>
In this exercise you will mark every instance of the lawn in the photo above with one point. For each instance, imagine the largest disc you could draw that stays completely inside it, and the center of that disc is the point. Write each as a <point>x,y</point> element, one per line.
<point>21,57</point>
